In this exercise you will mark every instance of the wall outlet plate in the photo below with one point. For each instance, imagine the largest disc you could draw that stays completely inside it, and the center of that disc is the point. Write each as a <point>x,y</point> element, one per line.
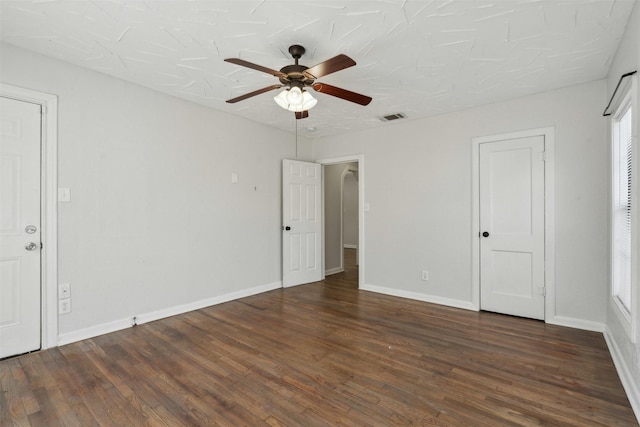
<point>64,306</point>
<point>64,290</point>
<point>64,194</point>
<point>425,275</point>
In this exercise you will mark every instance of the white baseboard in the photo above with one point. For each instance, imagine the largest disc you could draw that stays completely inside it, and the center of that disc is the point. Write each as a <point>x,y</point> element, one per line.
<point>571,322</point>
<point>93,331</point>
<point>333,271</point>
<point>467,305</point>
<point>141,318</point>
<point>629,382</point>
<point>348,246</point>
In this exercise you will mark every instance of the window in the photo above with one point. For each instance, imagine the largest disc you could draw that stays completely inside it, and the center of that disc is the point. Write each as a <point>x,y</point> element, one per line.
<point>622,170</point>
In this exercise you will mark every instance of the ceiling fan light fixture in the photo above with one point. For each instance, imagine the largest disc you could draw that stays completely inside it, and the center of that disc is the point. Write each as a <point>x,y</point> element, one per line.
<point>308,101</point>
<point>294,96</point>
<point>295,100</point>
<point>281,99</point>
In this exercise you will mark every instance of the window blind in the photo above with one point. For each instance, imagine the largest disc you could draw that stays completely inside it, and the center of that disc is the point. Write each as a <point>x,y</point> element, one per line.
<point>622,250</point>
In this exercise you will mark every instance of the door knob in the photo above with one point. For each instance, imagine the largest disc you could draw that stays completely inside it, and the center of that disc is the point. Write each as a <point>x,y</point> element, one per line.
<point>30,229</point>
<point>287,228</point>
<point>485,234</point>
<point>31,246</point>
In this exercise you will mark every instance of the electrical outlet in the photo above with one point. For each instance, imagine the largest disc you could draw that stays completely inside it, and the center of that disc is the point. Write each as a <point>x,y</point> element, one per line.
<point>425,275</point>
<point>64,306</point>
<point>64,194</point>
<point>64,290</point>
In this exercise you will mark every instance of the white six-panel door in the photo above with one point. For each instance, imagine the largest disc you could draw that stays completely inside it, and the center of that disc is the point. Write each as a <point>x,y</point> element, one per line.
<point>301,223</point>
<point>512,241</point>
<point>19,227</point>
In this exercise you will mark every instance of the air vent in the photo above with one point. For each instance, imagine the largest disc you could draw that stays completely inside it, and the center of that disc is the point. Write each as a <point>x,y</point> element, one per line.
<point>395,116</point>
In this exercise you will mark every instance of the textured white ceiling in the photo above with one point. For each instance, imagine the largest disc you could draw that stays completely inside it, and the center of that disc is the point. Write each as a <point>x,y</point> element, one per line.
<point>420,58</point>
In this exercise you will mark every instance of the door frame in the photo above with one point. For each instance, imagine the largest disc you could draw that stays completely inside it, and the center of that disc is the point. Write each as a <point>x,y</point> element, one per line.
<point>549,208</point>
<point>359,158</point>
<point>49,207</point>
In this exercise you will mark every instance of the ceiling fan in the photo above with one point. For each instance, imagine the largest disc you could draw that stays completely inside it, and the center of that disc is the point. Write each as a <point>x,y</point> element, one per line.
<point>296,78</point>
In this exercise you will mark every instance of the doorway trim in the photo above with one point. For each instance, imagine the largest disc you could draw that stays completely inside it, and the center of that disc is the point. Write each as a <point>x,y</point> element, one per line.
<point>361,238</point>
<point>549,218</point>
<point>49,206</point>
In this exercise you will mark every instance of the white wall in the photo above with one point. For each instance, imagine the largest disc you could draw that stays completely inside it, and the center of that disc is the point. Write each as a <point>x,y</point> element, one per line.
<point>418,186</point>
<point>626,354</point>
<point>154,222</point>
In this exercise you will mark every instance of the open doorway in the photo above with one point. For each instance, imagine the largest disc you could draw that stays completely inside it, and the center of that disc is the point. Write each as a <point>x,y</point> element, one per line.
<point>342,220</point>
<point>350,216</point>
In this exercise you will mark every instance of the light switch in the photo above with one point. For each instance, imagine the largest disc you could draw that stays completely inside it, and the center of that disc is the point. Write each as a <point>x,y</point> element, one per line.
<point>234,177</point>
<point>64,290</point>
<point>64,194</point>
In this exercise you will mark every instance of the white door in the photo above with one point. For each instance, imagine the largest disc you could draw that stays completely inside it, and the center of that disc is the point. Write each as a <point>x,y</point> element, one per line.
<point>301,223</point>
<point>512,227</point>
<point>19,227</point>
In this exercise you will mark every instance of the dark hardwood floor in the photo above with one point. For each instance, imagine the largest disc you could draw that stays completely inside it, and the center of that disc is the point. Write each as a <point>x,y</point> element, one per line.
<point>317,355</point>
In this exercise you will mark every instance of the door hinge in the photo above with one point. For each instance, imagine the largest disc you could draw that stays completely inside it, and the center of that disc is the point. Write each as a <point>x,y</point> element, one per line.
<point>41,246</point>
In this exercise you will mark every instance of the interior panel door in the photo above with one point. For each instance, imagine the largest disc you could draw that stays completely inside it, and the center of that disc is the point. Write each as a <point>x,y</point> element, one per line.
<point>20,310</point>
<point>512,227</point>
<point>301,222</point>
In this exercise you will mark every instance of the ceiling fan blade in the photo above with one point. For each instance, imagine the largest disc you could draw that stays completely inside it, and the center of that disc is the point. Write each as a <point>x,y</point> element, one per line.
<point>342,93</point>
<point>253,66</point>
<point>329,66</point>
<point>302,114</point>
<point>254,93</point>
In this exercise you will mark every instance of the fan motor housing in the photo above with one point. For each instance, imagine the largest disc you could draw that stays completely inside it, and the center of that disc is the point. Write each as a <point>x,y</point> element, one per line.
<point>295,73</point>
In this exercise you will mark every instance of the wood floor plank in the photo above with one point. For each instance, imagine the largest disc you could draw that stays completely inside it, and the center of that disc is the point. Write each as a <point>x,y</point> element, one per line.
<point>15,400</point>
<point>323,354</point>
